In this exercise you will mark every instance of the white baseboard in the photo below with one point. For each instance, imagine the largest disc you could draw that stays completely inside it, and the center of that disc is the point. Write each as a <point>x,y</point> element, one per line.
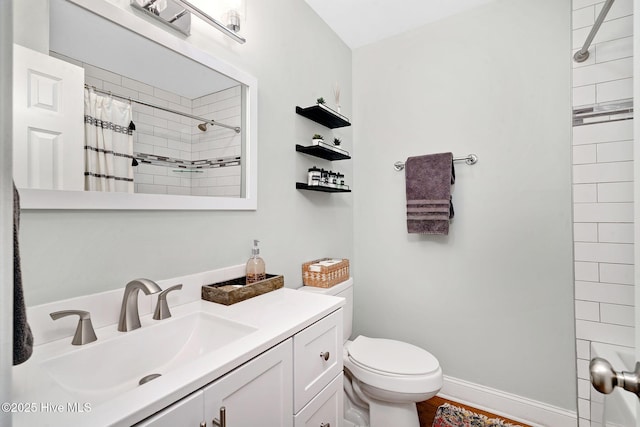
<point>508,405</point>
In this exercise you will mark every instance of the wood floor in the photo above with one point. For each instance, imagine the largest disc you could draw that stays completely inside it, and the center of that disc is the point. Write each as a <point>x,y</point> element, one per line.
<point>427,411</point>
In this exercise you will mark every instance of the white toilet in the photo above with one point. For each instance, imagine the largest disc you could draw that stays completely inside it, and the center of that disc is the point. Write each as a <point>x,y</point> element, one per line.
<point>383,378</point>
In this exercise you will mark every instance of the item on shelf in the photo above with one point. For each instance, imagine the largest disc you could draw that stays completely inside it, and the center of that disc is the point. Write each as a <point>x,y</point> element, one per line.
<point>325,272</point>
<point>336,96</point>
<point>314,176</point>
<point>321,143</point>
<point>320,101</point>
<point>255,265</point>
<point>333,179</point>
<point>336,141</point>
<point>239,289</point>
<point>316,139</point>
<point>340,179</point>
<point>324,177</point>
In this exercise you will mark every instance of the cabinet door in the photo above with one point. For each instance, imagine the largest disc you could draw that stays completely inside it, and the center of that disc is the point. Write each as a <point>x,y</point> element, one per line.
<point>317,353</point>
<point>259,393</point>
<point>325,409</point>
<point>184,413</point>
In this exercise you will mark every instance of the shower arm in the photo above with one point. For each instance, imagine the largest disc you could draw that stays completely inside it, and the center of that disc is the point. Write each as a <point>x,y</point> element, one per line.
<point>583,54</point>
<point>237,129</point>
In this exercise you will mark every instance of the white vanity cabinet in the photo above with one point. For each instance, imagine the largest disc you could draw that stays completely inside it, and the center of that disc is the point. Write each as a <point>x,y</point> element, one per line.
<point>257,393</point>
<point>297,383</point>
<point>317,363</point>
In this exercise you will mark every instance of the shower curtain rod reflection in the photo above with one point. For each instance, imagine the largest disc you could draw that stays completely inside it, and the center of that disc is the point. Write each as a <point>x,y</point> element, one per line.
<point>191,116</point>
<point>471,159</point>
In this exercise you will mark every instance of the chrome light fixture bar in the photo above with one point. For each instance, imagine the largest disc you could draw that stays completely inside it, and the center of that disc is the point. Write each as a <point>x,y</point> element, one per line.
<point>210,20</point>
<point>180,19</point>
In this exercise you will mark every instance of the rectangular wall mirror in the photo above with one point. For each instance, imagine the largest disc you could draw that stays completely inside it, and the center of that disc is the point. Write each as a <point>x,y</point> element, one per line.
<point>125,114</point>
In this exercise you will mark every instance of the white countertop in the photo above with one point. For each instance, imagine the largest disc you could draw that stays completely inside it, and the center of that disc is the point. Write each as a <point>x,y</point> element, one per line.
<point>275,315</point>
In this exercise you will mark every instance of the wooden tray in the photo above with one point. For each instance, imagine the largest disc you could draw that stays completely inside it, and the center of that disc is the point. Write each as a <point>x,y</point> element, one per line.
<point>236,290</point>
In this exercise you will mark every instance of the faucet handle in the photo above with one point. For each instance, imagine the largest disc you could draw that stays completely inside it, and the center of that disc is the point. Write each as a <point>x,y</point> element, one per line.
<point>162,308</point>
<point>84,331</point>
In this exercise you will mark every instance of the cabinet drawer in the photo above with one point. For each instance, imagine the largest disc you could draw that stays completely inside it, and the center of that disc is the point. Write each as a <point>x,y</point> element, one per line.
<point>325,409</point>
<point>317,358</point>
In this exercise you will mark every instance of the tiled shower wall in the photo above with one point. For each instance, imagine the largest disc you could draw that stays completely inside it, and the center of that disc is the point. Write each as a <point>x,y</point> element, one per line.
<point>602,194</point>
<point>167,134</point>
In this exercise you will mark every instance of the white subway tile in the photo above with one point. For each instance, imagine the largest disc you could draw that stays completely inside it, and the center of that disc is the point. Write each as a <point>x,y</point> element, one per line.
<point>584,389</point>
<point>583,349</point>
<point>606,333</point>
<point>603,132</point>
<point>615,192</point>
<point>584,422</point>
<point>153,140</point>
<point>614,49</point>
<point>137,85</point>
<point>604,292</point>
<point>610,30</point>
<point>583,368</point>
<point>585,232</point>
<point>619,9</point>
<point>584,17</point>
<point>152,189</point>
<point>614,90</point>
<point>92,81</point>
<point>614,151</point>
<point>584,95</point>
<point>603,212</point>
<point>603,72</point>
<point>583,154</point>
<point>615,233</point>
<point>585,193</point>
<point>619,253</point>
<point>617,273</point>
<point>586,271</point>
<point>102,74</point>
<point>617,314</point>
<point>603,172</point>
<point>588,310</point>
<point>579,4</point>
<point>169,96</point>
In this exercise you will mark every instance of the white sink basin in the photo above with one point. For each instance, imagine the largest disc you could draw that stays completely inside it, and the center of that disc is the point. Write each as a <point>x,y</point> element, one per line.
<point>104,369</point>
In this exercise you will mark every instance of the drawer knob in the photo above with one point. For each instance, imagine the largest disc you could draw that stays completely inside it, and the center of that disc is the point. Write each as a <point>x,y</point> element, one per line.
<point>325,356</point>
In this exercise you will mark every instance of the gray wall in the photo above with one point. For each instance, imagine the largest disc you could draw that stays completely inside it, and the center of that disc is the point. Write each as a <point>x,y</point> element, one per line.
<point>493,301</point>
<point>73,253</point>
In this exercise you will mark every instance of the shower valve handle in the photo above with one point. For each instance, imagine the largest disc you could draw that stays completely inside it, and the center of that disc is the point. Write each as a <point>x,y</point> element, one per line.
<point>604,378</point>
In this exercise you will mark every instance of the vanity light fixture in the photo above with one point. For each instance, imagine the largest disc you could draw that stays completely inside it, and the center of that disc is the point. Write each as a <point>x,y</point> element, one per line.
<point>164,11</point>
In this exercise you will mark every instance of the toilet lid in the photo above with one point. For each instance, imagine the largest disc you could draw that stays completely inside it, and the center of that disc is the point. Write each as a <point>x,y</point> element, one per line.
<point>394,357</point>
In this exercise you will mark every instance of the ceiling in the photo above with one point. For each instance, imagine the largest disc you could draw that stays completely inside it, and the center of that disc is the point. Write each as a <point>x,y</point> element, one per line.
<point>361,22</point>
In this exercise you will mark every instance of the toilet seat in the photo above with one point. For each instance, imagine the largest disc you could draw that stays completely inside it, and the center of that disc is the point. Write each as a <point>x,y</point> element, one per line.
<point>392,365</point>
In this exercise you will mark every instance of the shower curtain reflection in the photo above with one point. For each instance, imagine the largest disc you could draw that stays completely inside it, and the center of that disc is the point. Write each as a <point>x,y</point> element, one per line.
<point>108,144</point>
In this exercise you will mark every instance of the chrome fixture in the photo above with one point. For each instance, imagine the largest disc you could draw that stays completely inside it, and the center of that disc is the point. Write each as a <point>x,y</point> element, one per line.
<point>202,127</point>
<point>84,331</point>
<point>177,14</point>
<point>583,54</point>
<point>166,11</point>
<point>148,378</point>
<point>129,315</point>
<point>162,308</point>
<point>605,379</point>
<point>471,159</point>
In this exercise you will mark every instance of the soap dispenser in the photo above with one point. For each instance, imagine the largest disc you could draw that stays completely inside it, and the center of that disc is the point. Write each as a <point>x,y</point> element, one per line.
<point>255,265</point>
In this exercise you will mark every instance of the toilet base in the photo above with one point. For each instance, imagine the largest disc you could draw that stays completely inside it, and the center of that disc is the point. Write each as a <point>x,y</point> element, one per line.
<point>384,415</point>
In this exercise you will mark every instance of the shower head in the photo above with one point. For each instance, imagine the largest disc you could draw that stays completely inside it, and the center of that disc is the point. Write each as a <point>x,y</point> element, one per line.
<point>202,127</point>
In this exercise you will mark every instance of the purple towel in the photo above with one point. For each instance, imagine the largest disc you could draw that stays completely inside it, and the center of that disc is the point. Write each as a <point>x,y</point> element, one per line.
<point>428,181</point>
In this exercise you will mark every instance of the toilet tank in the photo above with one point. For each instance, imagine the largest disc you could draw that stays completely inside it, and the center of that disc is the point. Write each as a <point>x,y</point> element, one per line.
<point>343,290</point>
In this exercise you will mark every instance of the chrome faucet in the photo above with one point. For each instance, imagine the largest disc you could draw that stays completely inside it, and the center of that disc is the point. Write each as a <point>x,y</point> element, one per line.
<point>162,307</point>
<point>129,316</point>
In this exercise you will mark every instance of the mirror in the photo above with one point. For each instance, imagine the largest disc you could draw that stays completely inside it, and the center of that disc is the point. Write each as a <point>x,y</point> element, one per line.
<point>192,119</point>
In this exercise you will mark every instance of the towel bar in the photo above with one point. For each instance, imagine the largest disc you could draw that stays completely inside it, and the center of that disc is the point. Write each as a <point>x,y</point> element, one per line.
<point>471,159</point>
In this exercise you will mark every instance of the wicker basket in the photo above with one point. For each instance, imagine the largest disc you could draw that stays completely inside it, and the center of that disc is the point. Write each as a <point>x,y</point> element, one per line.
<point>328,276</point>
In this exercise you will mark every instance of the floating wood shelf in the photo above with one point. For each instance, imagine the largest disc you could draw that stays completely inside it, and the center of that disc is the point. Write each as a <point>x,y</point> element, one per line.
<point>324,115</point>
<point>303,186</point>
<point>322,152</point>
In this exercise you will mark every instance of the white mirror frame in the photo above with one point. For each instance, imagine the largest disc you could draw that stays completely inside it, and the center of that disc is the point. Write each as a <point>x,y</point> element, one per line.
<point>91,200</point>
